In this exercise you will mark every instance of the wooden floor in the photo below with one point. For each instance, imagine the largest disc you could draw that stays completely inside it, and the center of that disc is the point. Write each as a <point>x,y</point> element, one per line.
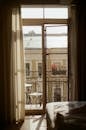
<point>37,122</point>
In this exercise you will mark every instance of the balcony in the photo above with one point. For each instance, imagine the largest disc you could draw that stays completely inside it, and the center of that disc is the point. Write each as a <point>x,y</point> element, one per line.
<point>56,89</point>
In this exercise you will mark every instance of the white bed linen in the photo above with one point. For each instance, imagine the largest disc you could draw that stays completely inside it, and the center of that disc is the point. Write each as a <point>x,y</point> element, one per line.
<point>61,107</point>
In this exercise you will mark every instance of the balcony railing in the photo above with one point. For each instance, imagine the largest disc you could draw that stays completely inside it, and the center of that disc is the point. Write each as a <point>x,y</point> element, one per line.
<point>36,74</point>
<point>56,86</point>
<point>57,90</point>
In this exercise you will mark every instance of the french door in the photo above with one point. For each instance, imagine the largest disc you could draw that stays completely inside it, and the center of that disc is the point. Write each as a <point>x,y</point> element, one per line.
<point>46,65</point>
<point>56,41</point>
<point>35,67</point>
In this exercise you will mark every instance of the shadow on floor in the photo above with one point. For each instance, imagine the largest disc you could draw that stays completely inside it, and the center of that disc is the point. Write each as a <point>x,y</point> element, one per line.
<point>40,119</point>
<point>11,127</point>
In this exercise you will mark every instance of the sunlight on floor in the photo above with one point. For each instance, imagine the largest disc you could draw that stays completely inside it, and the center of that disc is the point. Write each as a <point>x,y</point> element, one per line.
<point>37,122</point>
<point>33,106</point>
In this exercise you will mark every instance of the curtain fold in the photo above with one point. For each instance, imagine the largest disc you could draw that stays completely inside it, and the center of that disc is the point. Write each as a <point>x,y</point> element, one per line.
<point>11,66</point>
<point>17,64</point>
<point>73,75</point>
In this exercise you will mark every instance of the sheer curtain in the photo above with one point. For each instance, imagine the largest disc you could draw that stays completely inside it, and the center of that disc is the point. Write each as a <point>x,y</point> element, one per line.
<point>11,66</point>
<point>17,65</point>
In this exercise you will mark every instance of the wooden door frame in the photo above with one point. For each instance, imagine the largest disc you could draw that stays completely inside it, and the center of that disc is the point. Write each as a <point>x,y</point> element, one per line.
<point>42,22</point>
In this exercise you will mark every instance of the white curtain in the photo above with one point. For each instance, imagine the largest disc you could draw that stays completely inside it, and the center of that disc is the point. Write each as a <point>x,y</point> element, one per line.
<point>17,66</point>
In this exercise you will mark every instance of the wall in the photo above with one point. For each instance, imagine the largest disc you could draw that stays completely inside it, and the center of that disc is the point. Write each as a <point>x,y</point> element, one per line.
<point>81,45</point>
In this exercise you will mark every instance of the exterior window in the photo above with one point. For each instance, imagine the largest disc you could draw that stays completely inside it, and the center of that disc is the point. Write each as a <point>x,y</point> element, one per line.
<point>54,69</point>
<point>44,12</point>
<point>39,69</point>
<point>58,69</point>
<point>57,94</point>
<point>27,69</point>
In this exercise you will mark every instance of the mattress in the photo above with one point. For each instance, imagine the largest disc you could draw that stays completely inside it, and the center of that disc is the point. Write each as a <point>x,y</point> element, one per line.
<point>63,110</point>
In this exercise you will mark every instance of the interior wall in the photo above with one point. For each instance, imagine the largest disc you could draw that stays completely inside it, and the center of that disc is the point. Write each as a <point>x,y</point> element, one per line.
<point>16,2</point>
<point>46,1</point>
<point>81,45</point>
<point>5,25</point>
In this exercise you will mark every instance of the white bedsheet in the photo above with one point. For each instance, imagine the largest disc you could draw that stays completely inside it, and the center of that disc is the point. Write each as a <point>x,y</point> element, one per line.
<point>61,107</point>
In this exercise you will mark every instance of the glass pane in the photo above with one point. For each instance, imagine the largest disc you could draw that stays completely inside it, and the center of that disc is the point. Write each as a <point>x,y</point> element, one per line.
<point>32,39</point>
<point>32,36</point>
<point>32,12</point>
<point>56,63</point>
<point>56,36</point>
<point>57,29</point>
<point>58,13</point>
<point>56,41</point>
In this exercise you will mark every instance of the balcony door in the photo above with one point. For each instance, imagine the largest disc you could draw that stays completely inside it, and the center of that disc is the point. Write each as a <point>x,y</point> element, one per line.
<point>56,41</point>
<point>46,56</point>
<point>34,69</point>
<point>46,65</point>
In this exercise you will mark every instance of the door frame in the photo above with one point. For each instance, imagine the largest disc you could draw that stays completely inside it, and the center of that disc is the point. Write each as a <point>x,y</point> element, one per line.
<point>42,22</point>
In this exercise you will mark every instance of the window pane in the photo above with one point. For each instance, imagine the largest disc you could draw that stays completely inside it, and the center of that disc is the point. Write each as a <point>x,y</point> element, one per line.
<point>57,29</point>
<point>32,39</point>
<point>32,12</point>
<point>56,42</point>
<point>56,35</point>
<point>32,36</point>
<point>60,13</point>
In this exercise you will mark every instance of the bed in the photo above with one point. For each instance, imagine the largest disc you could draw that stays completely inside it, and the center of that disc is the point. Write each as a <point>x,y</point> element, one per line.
<point>66,115</point>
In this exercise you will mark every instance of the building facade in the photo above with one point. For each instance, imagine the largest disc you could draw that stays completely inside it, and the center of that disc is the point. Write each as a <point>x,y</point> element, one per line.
<point>56,72</point>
